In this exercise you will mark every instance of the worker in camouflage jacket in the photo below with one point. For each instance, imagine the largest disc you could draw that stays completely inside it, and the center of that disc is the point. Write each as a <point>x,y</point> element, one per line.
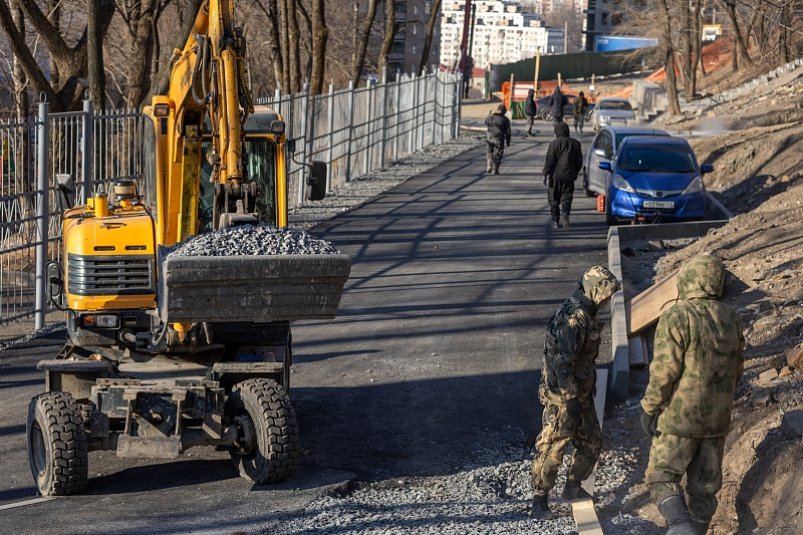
<point>568,380</point>
<point>696,366</point>
<point>497,138</point>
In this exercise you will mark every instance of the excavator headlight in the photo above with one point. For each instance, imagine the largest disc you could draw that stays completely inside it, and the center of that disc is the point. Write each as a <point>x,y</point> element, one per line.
<point>103,321</point>
<point>161,110</point>
<point>277,127</point>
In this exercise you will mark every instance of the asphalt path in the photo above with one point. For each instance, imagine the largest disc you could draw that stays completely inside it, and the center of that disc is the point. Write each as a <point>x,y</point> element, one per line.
<point>433,357</point>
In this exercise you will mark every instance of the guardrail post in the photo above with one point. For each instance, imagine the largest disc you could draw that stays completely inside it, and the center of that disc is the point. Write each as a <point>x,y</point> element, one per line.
<point>331,127</point>
<point>304,120</point>
<point>369,95</point>
<point>413,118</point>
<point>436,108</point>
<point>42,214</point>
<point>351,130</point>
<point>383,141</point>
<point>457,110</point>
<point>398,115</point>
<point>86,148</point>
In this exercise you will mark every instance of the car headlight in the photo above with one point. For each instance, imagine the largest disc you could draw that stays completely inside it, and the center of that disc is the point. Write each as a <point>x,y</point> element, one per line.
<point>622,184</point>
<point>695,186</point>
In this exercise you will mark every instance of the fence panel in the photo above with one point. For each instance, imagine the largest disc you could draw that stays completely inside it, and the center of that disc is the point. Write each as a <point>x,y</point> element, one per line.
<point>354,130</point>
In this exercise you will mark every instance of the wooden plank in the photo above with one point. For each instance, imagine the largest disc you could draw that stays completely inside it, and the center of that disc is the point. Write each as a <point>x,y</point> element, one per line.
<point>645,308</point>
<point>586,518</point>
<point>583,511</point>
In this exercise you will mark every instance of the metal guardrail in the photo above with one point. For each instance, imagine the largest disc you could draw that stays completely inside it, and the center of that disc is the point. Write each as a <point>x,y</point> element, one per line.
<point>354,130</point>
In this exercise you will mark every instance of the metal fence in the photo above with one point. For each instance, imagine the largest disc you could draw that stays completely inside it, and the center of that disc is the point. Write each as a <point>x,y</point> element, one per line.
<point>355,131</point>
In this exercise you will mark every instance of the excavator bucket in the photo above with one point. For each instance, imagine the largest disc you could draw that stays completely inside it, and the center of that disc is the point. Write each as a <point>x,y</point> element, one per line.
<point>252,288</point>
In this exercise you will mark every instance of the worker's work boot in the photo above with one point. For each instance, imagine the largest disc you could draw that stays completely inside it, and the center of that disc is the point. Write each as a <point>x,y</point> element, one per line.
<point>564,221</point>
<point>496,168</point>
<point>573,492</point>
<point>540,509</point>
<point>488,165</point>
<point>677,516</point>
<point>555,224</point>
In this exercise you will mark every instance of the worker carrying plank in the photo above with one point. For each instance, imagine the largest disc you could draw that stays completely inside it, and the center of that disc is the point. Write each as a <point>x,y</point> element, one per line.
<point>568,379</point>
<point>696,366</point>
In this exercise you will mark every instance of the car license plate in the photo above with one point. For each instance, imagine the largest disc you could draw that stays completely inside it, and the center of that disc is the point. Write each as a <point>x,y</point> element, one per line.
<point>663,205</point>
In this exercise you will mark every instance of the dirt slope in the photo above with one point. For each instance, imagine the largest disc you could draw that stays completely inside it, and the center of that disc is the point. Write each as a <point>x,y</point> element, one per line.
<point>757,157</point>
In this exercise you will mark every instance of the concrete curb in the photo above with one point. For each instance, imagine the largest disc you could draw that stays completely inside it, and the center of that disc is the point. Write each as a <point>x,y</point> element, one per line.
<point>627,352</point>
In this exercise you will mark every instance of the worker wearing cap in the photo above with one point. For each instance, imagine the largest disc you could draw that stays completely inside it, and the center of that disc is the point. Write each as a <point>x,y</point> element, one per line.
<point>568,380</point>
<point>497,138</point>
<point>696,365</point>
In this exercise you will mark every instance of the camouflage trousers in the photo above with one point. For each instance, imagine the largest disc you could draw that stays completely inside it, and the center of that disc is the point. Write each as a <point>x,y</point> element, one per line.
<point>494,153</point>
<point>700,459</point>
<point>557,432</point>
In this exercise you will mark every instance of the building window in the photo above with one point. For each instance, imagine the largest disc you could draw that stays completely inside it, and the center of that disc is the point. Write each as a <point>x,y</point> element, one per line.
<point>604,20</point>
<point>413,50</point>
<point>415,29</point>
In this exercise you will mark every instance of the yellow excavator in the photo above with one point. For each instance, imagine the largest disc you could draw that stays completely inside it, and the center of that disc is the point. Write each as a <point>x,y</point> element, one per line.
<point>168,353</point>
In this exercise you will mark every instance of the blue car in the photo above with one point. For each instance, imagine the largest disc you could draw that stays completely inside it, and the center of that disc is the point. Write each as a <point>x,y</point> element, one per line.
<point>654,178</point>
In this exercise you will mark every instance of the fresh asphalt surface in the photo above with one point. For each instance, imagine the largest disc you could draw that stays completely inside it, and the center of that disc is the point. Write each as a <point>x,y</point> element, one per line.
<point>433,357</point>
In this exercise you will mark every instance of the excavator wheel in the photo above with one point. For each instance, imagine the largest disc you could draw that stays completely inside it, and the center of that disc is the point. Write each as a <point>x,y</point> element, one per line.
<point>268,441</point>
<point>57,444</point>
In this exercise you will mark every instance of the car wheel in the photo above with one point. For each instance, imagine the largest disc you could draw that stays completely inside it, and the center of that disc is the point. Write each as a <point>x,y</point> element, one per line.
<point>610,219</point>
<point>546,115</point>
<point>588,192</point>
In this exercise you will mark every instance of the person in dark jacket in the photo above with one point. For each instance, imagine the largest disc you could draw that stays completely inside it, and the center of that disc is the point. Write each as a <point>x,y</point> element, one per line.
<point>556,103</point>
<point>564,159</point>
<point>580,109</point>
<point>530,110</point>
<point>497,137</point>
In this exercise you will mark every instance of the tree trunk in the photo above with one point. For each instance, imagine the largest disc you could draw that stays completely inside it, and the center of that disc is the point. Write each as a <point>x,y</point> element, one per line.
<point>54,17</point>
<point>364,34</point>
<point>294,37</point>
<point>94,51</point>
<point>21,101</point>
<point>433,17</point>
<point>741,55</point>
<point>161,81</point>
<point>669,61</point>
<point>783,34</point>
<point>686,47</point>
<point>284,44</point>
<point>320,34</point>
<point>698,31</point>
<point>390,33</point>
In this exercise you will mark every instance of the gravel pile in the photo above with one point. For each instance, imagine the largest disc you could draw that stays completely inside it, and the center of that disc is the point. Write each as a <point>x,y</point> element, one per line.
<point>487,497</point>
<point>253,240</point>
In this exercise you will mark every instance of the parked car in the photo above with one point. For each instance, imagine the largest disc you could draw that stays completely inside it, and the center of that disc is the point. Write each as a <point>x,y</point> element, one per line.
<point>654,178</point>
<point>612,111</point>
<point>603,147</point>
<point>543,109</point>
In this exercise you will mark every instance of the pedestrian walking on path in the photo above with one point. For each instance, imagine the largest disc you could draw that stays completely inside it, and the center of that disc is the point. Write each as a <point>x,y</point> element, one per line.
<point>497,138</point>
<point>580,109</point>
<point>568,381</point>
<point>696,366</point>
<point>564,159</point>
<point>557,101</point>
<point>530,110</point>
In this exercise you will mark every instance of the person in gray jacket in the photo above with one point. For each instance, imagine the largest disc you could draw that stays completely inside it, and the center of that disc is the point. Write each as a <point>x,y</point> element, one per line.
<point>497,138</point>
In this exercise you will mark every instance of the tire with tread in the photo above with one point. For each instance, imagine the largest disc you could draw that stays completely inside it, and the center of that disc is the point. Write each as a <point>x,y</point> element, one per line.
<point>610,220</point>
<point>57,444</point>
<point>268,406</point>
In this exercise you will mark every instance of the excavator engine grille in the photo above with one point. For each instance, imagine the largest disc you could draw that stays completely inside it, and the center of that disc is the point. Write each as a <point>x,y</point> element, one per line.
<point>110,275</point>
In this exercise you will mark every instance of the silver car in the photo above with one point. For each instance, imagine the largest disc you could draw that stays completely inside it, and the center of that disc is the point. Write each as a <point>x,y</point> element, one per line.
<point>612,112</point>
<point>603,148</point>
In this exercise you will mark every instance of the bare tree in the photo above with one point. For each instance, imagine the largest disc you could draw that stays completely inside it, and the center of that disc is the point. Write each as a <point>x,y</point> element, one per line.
<point>65,92</point>
<point>361,45</point>
<point>21,100</point>
<point>669,57</point>
<point>390,33</point>
<point>741,57</point>
<point>320,35</point>
<point>433,18</point>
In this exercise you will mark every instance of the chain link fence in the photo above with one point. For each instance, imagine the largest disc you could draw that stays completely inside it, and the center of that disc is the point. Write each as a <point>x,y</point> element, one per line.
<point>355,131</point>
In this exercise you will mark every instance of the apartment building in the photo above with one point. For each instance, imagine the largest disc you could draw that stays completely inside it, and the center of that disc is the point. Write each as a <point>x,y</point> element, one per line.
<point>503,33</point>
<point>598,20</point>
<point>408,44</point>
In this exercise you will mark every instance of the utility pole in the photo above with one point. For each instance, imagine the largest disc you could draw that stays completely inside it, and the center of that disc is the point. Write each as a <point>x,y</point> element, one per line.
<point>566,37</point>
<point>537,69</point>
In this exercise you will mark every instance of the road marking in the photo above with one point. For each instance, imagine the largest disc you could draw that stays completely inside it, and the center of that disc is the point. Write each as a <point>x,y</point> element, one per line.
<point>27,502</point>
